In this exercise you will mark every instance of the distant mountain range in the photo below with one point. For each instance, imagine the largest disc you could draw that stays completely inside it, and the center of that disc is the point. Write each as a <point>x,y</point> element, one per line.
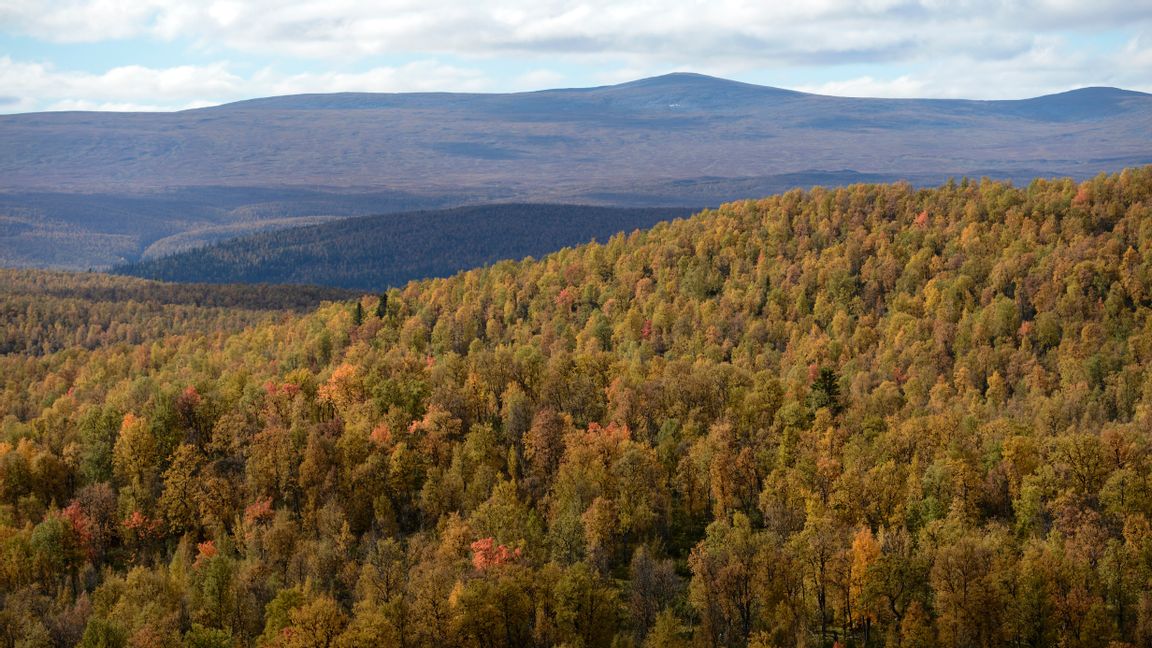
<point>83,189</point>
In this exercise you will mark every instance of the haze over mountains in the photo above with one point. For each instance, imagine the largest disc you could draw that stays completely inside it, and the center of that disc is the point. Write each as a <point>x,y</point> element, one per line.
<point>84,190</point>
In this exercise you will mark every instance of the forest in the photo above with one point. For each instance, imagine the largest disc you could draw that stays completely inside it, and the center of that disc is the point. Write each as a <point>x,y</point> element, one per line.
<point>387,250</point>
<point>45,311</point>
<point>875,415</point>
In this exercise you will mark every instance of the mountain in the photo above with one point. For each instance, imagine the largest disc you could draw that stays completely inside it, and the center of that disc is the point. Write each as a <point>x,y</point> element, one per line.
<point>376,252</point>
<point>876,415</point>
<point>81,189</point>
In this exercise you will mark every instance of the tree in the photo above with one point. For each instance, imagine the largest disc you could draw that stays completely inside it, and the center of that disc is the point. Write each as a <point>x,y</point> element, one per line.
<point>59,547</point>
<point>728,588</point>
<point>967,582</point>
<point>654,587</point>
<point>201,637</point>
<point>178,502</point>
<point>278,613</point>
<point>543,448</point>
<point>586,607</point>
<point>102,634</point>
<point>315,624</point>
<point>135,462</point>
<point>821,548</point>
<point>825,391</point>
<point>863,602</point>
<point>496,608</point>
<point>894,580</point>
<point>667,632</point>
<point>373,625</point>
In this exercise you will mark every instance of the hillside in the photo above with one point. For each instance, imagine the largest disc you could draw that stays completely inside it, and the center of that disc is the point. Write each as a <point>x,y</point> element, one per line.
<point>45,312</point>
<point>81,190</point>
<point>878,415</point>
<point>377,252</point>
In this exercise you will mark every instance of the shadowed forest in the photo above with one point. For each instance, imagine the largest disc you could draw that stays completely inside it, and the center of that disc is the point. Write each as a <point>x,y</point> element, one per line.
<point>376,252</point>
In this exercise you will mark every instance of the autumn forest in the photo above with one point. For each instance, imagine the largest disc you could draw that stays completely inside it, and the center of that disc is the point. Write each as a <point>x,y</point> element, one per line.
<point>876,415</point>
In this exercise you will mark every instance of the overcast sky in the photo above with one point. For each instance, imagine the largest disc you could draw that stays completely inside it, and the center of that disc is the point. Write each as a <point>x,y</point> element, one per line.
<point>171,54</point>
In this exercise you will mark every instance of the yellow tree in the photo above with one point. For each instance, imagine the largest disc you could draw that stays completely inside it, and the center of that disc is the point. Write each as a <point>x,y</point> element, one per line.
<point>865,553</point>
<point>135,462</point>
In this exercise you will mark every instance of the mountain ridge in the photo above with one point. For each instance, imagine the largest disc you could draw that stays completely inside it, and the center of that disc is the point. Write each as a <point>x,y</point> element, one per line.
<point>672,79</point>
<point>87,190</point>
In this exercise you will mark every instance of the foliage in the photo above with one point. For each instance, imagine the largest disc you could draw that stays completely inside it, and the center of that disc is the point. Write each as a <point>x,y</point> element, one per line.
<point>46,311</point>
<point>875,415</point>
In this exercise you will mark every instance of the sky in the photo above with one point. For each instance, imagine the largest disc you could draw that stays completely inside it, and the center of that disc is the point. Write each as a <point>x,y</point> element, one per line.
<point>177,54</point>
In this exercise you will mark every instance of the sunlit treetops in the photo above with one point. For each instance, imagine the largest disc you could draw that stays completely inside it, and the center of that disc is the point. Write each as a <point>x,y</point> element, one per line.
<point>878,414</point>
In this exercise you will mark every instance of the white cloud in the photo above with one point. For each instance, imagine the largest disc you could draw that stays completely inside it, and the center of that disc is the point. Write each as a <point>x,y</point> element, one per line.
<point>1137,53</point>
<point>538,79</point>
<point>418,76</point>
<point>72,21</point>
<point>128,85</point>
<point>35,86</point>
<point>867,86</point>
<point>1046,67</point>
<point>115,106</point>
<point>341,29</point>
<point>940,48</point>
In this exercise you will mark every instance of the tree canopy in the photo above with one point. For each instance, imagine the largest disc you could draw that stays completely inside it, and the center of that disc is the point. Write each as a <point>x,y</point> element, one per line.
<point>873,415</point>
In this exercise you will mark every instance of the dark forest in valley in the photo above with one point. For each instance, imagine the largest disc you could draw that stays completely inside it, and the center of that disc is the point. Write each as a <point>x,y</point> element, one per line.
<point>378,252</point>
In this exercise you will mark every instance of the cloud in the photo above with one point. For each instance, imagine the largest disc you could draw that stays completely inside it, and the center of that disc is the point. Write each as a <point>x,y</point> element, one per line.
<point>418,76</point>
<point>1137,53</point>
<point>816,31</point>
<point>935,48</point>
<point>999,68</point>
<point>119,106</point>
<point>537,79</point>
<point>1045,68</point>
<point>867,86</point>
<point>139,88</point>
<point>74,21</point>
<point>179,86</point>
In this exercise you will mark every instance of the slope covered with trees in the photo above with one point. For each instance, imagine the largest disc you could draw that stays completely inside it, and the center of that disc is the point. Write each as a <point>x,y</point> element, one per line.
<point>46,311</point>
<point>375,252</point>
<point>874,414</point>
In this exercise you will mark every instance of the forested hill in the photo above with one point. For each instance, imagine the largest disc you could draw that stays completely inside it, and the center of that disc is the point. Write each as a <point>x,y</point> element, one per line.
<point>46,311</point>
<point>375,252</point>
<point>875,415</point>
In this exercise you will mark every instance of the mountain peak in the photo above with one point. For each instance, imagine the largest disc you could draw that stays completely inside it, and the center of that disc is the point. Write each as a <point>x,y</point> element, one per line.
<point>1082,103</point>
<point>693,80</point>
<point>683,78</point>
<point>690,91</point>
<point>1097,92</point>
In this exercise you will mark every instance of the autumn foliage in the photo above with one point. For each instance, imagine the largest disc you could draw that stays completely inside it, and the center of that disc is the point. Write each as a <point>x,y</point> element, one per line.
<point>486,554</point>
<point>873,415</point>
